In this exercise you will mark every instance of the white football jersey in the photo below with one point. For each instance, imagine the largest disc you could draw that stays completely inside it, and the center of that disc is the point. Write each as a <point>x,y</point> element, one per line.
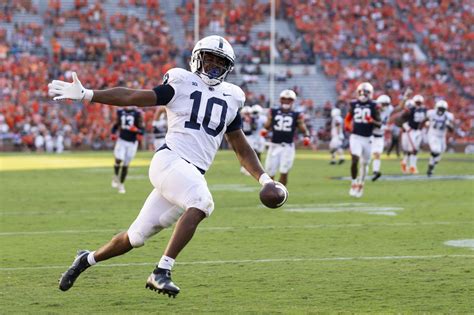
<point>336,127</point>
<point>198,115</point>
<point>384,116</point>
<point>260,121</point>
<point>438,123</point>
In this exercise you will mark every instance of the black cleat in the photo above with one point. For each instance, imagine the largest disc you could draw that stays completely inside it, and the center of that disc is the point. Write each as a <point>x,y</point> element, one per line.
<point>332,162</point>
<point>160,281</point>
<point>376,176</point>
<point>430,170</point>
<point>78,266</point>
<point>340,162</point>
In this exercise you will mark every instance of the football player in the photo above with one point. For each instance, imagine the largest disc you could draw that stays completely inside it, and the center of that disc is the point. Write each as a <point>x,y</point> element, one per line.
<point>440,120</point>
<point>283,123</point>
<point>385,108</point>
<point>201,108</point>
<point>337,137</point>
<point>260,119</point>
<point>412,119</point>
<point>361,119</point>
<point>130,128</point>
<point>160,126</point>
<point>248,128</point>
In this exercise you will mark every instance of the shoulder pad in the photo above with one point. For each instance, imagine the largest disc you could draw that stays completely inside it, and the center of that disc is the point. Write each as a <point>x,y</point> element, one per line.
<point>175,75</point>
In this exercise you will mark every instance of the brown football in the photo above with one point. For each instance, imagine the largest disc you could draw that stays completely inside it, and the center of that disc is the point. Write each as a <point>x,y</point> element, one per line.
<point>273,195</point>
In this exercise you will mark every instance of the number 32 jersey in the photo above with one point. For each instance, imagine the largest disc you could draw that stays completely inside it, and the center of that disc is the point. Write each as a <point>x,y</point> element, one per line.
<point>199,115</point>
<point>360,112</point>
<point>284,125</point>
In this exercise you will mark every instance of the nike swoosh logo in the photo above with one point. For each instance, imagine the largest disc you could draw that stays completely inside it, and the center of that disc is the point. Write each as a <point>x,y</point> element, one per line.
<point>227,94</point>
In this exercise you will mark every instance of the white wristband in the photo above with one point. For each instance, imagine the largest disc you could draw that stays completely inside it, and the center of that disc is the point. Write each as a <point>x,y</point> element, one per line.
<point>264,179</point>
<point>88,94</point>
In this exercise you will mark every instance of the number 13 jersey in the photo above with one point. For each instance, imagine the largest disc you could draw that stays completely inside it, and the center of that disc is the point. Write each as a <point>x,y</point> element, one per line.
<point>199,115</point>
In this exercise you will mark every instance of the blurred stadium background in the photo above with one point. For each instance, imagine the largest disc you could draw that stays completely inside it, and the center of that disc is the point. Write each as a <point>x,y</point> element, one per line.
<point>321,49</point>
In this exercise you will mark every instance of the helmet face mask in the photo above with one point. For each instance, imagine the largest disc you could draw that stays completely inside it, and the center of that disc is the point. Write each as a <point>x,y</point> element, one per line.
<point>441,106</point>
<point>212,59</point>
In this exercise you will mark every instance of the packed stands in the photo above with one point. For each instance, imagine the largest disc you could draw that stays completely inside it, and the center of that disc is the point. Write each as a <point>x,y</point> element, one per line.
<point>321,47</point>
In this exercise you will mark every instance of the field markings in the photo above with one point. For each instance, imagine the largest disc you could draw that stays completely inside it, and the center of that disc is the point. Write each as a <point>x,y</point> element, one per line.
<point>344,207</point>
<point>251,261</point>
<point>402,177</point>
<point>461,243</point>
<point>256,227</point>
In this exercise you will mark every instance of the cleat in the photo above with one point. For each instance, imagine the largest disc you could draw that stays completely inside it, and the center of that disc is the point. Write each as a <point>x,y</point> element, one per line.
<point>78,266</point>
<point>404,167</point>
<point>376,176</point>
<point>359,191</point>
<point>332,163</point>
<point>340,162</point>
<point>115,182</point>
<point>160,281</point>
<point>121,189</point>
<point>353,190</point>
<point>413,170</point>
<point>430,170</point>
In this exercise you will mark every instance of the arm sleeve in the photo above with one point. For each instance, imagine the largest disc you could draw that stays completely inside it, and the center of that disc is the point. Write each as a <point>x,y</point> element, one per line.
<point>236,124</point>
<point>164,94</point>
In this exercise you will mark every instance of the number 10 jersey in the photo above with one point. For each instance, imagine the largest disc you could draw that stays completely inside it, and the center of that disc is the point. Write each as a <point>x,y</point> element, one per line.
<point>199,115</point>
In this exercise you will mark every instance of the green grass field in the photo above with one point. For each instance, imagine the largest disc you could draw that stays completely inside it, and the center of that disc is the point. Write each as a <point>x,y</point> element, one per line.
<point>322,252</point>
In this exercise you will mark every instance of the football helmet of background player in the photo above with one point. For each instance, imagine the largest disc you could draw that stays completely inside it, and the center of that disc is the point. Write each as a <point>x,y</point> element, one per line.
<point>335,112</point>
<point>287,98</point>
<point>409,103</point>
<point>384,100</point>
<point>418,100</point>
<point>257,109</point>
<point>246,110</point>
<point>365,92</point>
<point>441,106</point>
<point>212,59</point>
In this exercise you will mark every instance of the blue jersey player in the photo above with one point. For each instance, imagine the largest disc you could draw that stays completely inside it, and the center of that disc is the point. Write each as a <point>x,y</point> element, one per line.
<point>363,115</point>
<point>283,122</point>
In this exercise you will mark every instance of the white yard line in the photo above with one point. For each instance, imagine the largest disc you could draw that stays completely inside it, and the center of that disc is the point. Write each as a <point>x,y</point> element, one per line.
<point>233,228</point>
<point>251,261</point>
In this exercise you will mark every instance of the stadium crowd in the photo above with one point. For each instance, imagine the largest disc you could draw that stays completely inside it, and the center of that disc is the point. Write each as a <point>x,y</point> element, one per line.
<point>375,42</point>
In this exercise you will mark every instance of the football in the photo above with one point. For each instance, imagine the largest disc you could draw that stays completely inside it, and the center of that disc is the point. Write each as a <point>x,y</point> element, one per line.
<point>273,195</point>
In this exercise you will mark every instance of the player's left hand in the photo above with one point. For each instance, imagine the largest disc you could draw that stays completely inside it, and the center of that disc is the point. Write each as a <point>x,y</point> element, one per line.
<point>306,141</point>
<point>133,128</point>
<point>65,90</point>
<point>113,137</point>
<point>369,119</point>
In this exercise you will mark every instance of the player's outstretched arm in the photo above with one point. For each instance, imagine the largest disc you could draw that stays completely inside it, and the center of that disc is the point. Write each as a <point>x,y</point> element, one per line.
<point>246,155</point>
<point>118,96</point>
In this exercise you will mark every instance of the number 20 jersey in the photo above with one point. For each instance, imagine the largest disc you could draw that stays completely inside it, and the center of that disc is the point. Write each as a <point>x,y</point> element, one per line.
<point>360,111</point>
<point>283,125</point>
<point>199,115</point>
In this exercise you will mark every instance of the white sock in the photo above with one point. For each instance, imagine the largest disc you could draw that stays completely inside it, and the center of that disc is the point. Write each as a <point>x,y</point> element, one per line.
<point>166,262</point>
<point>413,159</point>
<point>376,165</point>
<point>91,259</point>
<point>405,158</point>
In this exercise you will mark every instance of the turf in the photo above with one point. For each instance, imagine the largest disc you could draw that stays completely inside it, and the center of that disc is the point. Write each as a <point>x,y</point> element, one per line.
<point>322,252</point>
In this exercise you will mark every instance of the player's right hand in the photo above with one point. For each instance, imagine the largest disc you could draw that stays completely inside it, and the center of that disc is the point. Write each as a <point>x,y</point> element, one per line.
<point>264,132</point>
<point>133,128</point>
<point>65,90</point>
<point>113,137</point>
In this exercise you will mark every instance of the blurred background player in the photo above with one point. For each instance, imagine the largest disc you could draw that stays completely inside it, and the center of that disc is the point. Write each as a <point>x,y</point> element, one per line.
<point>160,125</point>
<point>129,125</point>
<point>394,139</point>
<point>337,137</point>
<point>412,119</point>
<point>440,120</point>
<point>385,109</point>
<point>248,127</point>
<point>283,122</point>
<point>362,117</point>
<point>259,118</point>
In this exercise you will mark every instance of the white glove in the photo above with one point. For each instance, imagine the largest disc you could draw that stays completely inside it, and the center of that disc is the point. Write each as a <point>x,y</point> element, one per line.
<point>73,91</point>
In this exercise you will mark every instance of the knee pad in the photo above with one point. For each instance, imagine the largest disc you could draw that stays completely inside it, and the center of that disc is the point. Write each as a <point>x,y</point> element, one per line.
<point>204,203</point>
<point>136,238</point>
